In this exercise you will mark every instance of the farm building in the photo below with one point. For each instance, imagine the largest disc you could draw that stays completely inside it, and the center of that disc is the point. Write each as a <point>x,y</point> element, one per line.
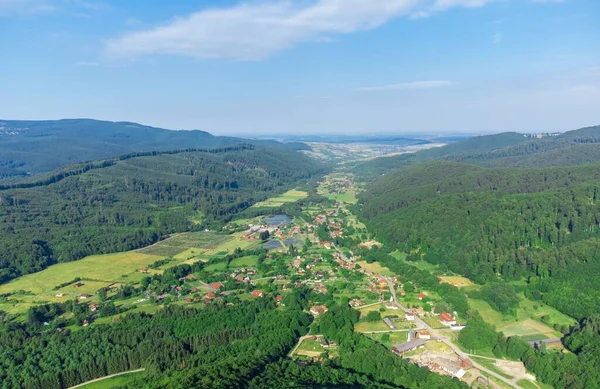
<point>425,335</point>
<point>389,323</point>
<point>412,345</point>
<point>318,310</point>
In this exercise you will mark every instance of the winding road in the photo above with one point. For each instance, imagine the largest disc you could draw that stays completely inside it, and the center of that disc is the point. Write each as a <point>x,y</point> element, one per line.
<point>448,341</point>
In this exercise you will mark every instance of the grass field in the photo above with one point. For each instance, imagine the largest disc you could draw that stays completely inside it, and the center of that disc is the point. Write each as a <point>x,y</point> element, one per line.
<point>491,365</point>
<point>395,338</point>
<point>288,197</point>
<point>457,281</point>
<point>310,348</point>
<point>530,329</point>
<point>375,267</point>
<point>115,381</point>
<point>434,322</point>
<point>221,266</point>
<point>103,269</point>
<point>522,325</point>
<point>366,326</point>
<point>347,197</point>
<point>249,261</point>
<point>423,265</point>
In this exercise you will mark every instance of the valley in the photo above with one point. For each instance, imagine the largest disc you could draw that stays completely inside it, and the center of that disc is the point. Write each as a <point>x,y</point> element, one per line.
<point>315,276</point>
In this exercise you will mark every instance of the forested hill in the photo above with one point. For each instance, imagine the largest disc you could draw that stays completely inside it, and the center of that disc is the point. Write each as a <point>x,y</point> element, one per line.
<point>32,147</point>
<point>501,150</point>
<point>126,203</point>
<point>542,224</point>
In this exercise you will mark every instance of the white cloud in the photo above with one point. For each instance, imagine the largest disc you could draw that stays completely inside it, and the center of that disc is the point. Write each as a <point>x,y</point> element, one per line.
<point>408,85</point>
<point>253,31</point>
<point>497,38</point>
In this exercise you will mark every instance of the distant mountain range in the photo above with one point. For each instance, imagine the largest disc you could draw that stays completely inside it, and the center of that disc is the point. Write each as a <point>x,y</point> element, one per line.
<point>32,147</point>
<point>509,149</point>
<point>396,140</point>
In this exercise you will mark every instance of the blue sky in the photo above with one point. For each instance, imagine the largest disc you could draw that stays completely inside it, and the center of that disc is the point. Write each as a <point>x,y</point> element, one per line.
<point>309,66</point>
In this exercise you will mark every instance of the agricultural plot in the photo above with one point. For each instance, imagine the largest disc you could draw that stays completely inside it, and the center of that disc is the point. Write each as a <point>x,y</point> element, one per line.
<point>530,330</point>
<point>102,269</point>
<point>249,261</point>
<point>458,281</point>
<point>523,325</point>
<point>376,268</point>
<point>181,242</point>
<point>289,197</point>
<point>347,197</point>
<point>370,326</point>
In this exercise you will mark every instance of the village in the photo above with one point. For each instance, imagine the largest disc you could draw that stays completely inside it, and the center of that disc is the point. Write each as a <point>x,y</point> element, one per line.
<point>268,256</point>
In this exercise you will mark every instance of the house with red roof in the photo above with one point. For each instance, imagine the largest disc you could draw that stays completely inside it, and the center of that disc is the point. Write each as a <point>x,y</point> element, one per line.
<point>447,319</point>
<point>257,293</point>
<point>216,285</point>
<point>421,296</point>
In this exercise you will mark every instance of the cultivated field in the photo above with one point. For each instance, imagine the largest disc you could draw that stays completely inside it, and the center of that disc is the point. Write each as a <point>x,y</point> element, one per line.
<point>102,269</point>
<point>288,197</point>
<point>181,242</point>
<point>376,268</point>
<point>524,324</point>
<point>530,330</point>
<point>457,281</point>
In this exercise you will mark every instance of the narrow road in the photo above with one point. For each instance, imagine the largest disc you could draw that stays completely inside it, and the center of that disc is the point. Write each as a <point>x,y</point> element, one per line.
<point>448,341</point>
<point>106,377</point>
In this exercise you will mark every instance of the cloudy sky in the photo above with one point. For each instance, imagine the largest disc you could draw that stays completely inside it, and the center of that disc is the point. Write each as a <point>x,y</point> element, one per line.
<point>310,66</point>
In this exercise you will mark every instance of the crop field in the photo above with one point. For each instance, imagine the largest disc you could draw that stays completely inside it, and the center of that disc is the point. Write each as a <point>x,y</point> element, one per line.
<point>288,197</point>
<point>181,242</point>
<point>457,281</point>
<point>375,267</point>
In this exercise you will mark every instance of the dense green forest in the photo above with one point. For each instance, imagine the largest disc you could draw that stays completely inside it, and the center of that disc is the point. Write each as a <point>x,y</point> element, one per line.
<point>536,223</point>
<point>221,346</point>
<point>576,369</point>
<point>501,150</point>
<point>125,203</point>
<point>30,147</point>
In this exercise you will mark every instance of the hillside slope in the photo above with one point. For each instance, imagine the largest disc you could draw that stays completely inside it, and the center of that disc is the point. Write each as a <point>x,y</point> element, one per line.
<point>128,202</point>
<point>541,224</point>
<point>501,150</point>
<point>32,147</point>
